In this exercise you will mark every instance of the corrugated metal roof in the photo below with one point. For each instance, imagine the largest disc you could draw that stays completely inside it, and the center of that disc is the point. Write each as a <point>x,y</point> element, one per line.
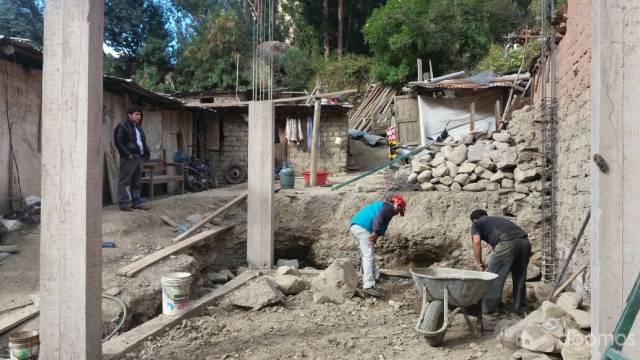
<point>456,84</point>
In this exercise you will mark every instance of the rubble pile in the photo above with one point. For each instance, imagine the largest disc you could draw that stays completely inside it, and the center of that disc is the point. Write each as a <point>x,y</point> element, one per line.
<point>478,162</point>
<point>555,328</point>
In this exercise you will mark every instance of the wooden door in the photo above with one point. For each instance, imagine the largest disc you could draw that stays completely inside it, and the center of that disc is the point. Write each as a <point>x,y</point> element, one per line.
<point>407,118</point>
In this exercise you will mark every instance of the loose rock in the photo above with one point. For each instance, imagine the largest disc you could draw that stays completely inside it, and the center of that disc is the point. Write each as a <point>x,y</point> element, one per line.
<point>427,186</point>
<point>483,173</point>
<point>413,177</point>
<point>535,338</point>
<point>453,168</point>
<point>446,180</point>
<point>497,177</point>
<point>576,346</point>
<point>502,137</point>
<point>424,176</point>
<point>526,176</point>
<point>290,284</point>
<point>455,187</point>
<point>462,179</point>
<point>466,168</point>
<point>505,159</point>
<point>475,187</point>
<point>478,151</point>
<point>441,170</point>
<point>288,262</point>
<point>286,270</point>
<point>438,159</point>
<point>338,282</point>
<point>569,301</point>
<point>442,187</point>
<point>582,318</point>
<point>256,295</point>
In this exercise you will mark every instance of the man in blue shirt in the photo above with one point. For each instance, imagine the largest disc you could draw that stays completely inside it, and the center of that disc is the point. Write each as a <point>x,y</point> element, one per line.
<point>366,226</point>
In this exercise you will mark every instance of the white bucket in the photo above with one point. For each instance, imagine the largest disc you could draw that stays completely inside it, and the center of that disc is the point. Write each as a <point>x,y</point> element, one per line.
<point>24,345</point>
<point>176,288</point>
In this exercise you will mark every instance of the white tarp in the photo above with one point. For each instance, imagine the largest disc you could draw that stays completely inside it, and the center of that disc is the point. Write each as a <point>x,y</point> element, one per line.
<point>436,112</point>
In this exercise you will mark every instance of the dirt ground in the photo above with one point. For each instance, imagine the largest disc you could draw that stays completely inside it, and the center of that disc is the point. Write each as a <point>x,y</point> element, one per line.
<point>301,329</point>
<point>310,226</point>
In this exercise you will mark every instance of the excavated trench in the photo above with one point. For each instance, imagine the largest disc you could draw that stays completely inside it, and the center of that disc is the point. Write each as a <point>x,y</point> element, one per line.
<point>311,227</point>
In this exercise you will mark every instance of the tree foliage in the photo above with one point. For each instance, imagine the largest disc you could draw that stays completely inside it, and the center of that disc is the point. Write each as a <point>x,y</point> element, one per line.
<point>507,61</point>
<point>23,19</point>
<point>453,34</point>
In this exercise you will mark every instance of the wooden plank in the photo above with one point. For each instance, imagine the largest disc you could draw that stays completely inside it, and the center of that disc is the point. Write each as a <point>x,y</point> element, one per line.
<point>396,273</point>
<point>118,346</point>
<point>137,266</point>
<point>10,248</point>
<point>261,186</point>
<point>72,166</point>
<point>210,217</point>
<point>17,317</point>
<point>498,110</point>
<point>472,118</point>
<point>313,167</point>
<point>169,221</point>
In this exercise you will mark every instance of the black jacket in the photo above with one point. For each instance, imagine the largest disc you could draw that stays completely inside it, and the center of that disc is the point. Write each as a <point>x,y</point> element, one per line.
<point>125,138</point>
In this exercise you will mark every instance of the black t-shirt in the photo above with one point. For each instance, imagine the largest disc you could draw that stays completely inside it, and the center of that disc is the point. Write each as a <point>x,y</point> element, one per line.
<point>494,229</point>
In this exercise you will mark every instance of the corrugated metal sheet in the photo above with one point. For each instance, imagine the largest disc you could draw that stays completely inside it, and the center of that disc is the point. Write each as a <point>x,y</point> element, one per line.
<point>456,84</point>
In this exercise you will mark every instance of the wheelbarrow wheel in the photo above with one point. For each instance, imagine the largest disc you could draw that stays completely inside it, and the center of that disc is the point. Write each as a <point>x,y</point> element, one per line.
<point>433,321</point>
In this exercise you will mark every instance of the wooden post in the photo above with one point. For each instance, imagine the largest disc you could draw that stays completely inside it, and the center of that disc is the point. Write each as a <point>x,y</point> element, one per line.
<point>420,74</point>
<point>498,115</point>
<point>430,70</point>
<point>615,195</point>
<point>472,119</point>
<point>313,168</point>
<point>72,155</point>
<point>260,198</point>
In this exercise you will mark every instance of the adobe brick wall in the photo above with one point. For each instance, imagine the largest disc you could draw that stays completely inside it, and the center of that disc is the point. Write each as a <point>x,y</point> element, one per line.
<point>331,157</point>
<point>573,145</point>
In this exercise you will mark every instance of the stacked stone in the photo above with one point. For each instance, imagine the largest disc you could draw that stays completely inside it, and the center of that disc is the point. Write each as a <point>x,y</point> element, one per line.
<point>478,162</point>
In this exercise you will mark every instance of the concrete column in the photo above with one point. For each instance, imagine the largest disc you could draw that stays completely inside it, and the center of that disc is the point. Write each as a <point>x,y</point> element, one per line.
<point>70,252</point>
<point>260,199</point>
<point>615,195</point>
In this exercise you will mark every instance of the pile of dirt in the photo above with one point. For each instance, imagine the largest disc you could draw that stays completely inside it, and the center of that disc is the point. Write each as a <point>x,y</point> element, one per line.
<point>300,328</point>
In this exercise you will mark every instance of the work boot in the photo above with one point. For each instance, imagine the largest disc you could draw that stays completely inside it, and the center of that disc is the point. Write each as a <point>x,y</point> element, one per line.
<point>141,206</point>
<point>373,292</point>
<point>126,208</point>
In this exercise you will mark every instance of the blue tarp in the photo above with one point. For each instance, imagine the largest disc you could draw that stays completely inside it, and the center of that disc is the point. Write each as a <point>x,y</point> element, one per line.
<point>370,139</point>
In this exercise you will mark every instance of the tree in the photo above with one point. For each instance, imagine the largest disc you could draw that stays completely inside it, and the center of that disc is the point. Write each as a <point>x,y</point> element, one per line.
<point>208,59</point>
<point>454,34</point>
<point>23,19</point>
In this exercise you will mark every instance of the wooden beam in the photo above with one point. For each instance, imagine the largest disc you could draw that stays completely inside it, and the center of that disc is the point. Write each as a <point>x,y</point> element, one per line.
<point>118,346</point>
<point>211,216</point>
<point>472,119</point>
<point>313,167</point>
<point>498,115</point>
<point>297,98</point>
<point>72,164</point>
<point>17,317</point>
<point>137,266</point>
<point>169,221</point>
<point>260,225</point>
<point>10,248</point>
<point>420,73</point>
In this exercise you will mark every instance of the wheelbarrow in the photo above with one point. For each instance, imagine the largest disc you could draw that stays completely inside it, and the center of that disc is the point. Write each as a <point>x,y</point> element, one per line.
<point>443,289</point>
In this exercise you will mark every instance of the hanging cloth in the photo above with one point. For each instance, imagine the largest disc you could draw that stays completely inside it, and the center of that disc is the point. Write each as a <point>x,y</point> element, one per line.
<point>293,131</point>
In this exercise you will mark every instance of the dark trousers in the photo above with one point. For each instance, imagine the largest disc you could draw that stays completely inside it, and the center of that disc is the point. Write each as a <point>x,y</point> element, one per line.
<point>129,182</point>
<point>509,257</point>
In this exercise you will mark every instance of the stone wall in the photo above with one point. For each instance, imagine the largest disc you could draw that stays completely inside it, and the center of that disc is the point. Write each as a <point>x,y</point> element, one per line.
<point>332,157</point>
<point>572,183</point>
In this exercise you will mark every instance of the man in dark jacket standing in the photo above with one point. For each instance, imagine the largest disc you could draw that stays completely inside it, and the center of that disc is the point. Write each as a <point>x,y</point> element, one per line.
<point>132,146</point>
<point>511,250</point>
